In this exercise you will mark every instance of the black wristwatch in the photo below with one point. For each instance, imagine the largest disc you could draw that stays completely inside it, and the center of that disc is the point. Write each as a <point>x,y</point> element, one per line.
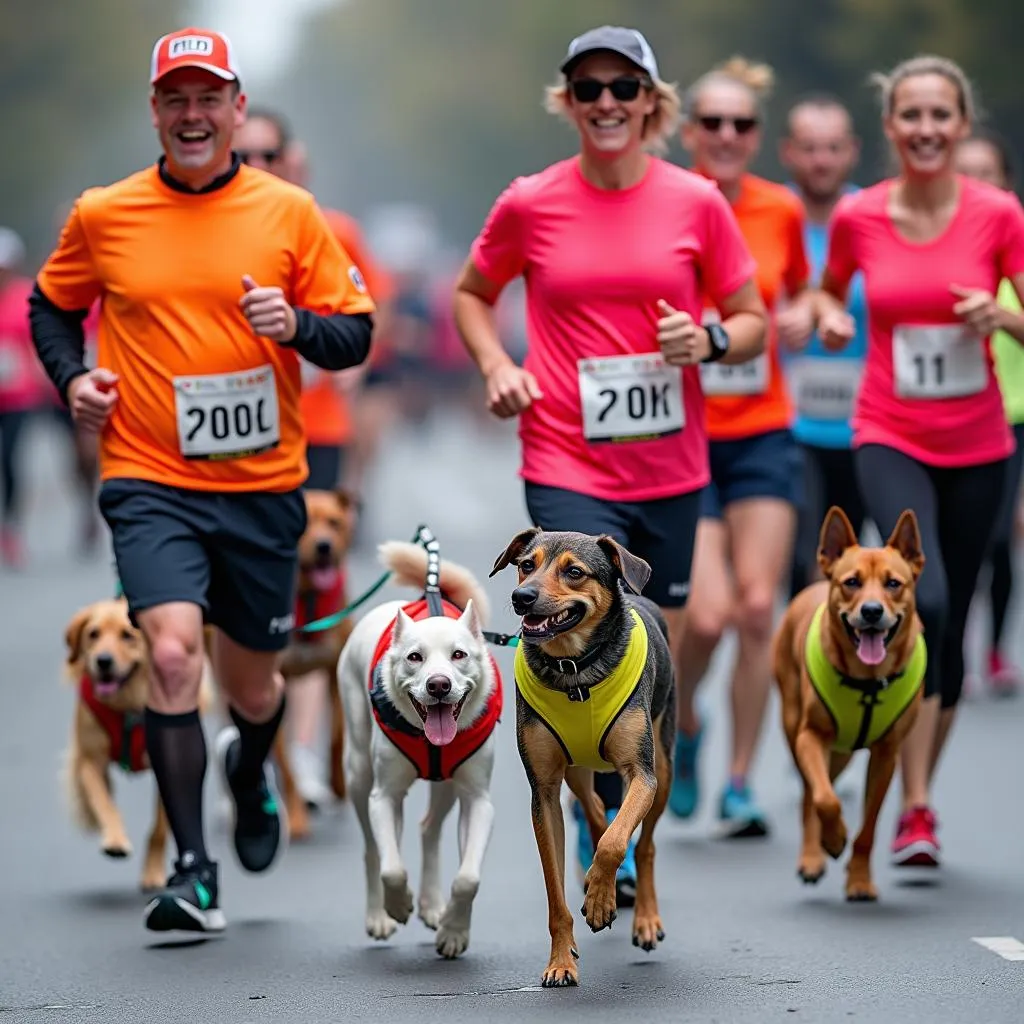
<point>719,338</point>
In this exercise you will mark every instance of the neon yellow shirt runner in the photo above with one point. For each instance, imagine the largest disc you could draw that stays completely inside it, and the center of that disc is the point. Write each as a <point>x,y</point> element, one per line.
<point>862,714</point>
<point>582,726</point>
<point>1008,355</point>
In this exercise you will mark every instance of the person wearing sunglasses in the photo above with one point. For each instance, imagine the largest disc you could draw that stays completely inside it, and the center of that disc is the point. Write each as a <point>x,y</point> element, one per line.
<point>748,512</point>
<point>617,248</point>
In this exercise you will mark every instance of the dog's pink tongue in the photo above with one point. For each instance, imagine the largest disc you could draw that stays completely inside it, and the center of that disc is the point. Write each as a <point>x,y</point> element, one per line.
<point>323,579</point>
<point>440,726</point>
<point>871,648</point>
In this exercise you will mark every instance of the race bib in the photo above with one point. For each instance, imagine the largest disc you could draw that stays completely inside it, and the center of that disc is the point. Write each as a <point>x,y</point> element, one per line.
<point>941,361</point>
<point>227,415</point>
<point>824,389</point>
<point>630,398</point>
<point>749,378</point>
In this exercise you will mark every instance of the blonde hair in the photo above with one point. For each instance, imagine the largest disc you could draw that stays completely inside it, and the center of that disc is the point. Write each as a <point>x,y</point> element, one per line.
<point>926,64</point>
<point>658,128</point>
<point>757,79</point>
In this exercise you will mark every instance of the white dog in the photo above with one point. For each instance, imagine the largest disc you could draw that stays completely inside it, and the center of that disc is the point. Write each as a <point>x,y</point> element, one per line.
<point>422,696</point>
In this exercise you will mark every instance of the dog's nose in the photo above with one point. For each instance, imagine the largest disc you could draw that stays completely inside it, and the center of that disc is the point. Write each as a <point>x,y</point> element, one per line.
<point>323,548</point>
<point>104,662</point>
<point>439,686</point>
<point>871,612</point>
<point>523,599</point>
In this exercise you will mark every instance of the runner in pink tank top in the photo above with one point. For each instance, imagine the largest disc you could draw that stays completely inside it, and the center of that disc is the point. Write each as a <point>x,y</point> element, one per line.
<point>616,248</point>
<point>929,428</point>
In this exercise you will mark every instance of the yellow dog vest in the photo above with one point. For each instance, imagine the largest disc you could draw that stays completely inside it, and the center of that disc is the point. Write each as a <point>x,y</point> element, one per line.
<point>862,710</point>
<point>581,726</point>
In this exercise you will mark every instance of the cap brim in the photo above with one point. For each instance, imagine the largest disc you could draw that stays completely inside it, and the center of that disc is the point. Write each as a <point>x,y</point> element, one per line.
<point>227,76</point>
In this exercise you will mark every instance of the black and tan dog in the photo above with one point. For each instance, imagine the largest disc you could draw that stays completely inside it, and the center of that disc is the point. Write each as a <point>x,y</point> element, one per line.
<point>594,692</point>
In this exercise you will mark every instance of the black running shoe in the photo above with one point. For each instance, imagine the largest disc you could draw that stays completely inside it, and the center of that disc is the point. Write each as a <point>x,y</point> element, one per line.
<point>189,903</point>
<point>259,830</point>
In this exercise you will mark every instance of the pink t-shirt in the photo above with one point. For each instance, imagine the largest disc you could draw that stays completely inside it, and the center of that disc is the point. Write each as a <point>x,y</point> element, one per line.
<point>23,382</point>
<point>615,422</point>
<point>928,388</point>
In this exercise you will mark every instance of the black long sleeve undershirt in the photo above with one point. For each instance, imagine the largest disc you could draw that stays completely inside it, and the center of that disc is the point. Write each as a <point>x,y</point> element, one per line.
<point>333,342</point>
<point>59,337</point>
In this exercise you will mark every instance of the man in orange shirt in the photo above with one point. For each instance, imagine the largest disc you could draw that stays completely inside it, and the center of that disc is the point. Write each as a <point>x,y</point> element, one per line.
<point>214,277</point>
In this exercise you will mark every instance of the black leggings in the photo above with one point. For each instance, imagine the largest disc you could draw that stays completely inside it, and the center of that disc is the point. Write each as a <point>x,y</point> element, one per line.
<point>11,426</point>
<point>956,511</point>
<point>829,479</point>
<point>1001,553</point>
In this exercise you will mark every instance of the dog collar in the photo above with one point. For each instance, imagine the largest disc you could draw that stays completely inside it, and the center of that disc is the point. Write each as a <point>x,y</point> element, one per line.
<point>573,666</point>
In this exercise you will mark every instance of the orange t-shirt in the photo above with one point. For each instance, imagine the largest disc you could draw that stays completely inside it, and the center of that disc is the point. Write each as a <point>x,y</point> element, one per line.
<point>203,402</point>
<point>752,398</point>
<point>325,409</point>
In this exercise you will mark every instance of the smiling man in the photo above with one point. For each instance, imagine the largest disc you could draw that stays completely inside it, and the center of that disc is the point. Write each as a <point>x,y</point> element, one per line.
<point>214,278</point>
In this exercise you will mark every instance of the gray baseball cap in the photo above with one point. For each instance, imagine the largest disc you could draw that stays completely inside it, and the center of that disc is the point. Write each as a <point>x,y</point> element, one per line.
<point>627,42</point>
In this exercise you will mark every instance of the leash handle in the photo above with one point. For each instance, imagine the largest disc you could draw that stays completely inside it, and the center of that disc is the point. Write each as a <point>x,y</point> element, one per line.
<point>432,590</point>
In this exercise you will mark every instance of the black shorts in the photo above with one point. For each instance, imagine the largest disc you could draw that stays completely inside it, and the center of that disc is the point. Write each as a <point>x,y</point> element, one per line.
<point>326,463</point>
<point>763,466</point>
<point>661,532</point>
<point>234,555</point>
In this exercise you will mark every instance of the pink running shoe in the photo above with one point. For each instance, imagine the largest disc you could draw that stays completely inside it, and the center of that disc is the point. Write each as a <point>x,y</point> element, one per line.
<point>1004,678</point>
<point>915,844</point>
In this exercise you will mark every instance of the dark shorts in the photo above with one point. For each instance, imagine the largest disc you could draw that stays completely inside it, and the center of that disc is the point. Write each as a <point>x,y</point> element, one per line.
<point>234,555</point>
<point>661,532</point>
<point>764,466</point>
<point>326,463</point>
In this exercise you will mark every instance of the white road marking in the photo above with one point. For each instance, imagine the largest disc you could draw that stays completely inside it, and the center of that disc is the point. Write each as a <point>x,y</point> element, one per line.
<point>1005,946</point>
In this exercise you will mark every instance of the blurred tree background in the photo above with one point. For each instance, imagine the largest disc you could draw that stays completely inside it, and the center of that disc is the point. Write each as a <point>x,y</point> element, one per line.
<point>439,101</point>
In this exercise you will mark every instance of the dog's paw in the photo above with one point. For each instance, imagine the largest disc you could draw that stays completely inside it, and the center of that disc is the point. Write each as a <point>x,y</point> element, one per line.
<point>152,880</point>
<point>833,837</point>
<point>600,901</point>
<point>452,941</point>
<point>430,913</point>
<point>811,869</point>
<point>561,971</point>
<point>116,847</point>
<point>859,887</point>
<point>379,925</point>
<point>398,897</point>
<point>648,931</point>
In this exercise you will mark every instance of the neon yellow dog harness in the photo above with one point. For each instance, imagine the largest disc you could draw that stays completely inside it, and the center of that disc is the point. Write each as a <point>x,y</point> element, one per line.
<point>863,710</point>
<point>581,725</point>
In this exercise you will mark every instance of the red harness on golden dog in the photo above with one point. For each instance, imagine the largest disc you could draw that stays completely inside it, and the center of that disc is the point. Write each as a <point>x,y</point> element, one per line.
<point>127,736</point>
<point>431,762</point>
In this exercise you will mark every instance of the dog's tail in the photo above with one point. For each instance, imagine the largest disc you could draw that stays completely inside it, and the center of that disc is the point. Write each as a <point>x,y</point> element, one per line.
<point>408,562</point>
<point>81,813</point>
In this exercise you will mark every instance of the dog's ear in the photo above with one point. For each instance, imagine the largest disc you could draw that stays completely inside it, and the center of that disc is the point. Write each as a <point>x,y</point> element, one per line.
<point>73,634</point>
<point>836,536</point>
<point>471,620</point>
<point>516,547</point>
<point>402,624</point>
<point>906,539</point>
<point>347,500</point>
<point>635,571</point>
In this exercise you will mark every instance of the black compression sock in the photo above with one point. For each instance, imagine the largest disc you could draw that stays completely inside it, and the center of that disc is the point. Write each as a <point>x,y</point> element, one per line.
<point>255,741</point>
<point>177,751</point>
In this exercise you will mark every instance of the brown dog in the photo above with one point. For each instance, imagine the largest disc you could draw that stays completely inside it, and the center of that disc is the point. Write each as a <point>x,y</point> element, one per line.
<point>595,691</point>
<point>107,661</point>
<point>849,659</point>
<point>321,592</point>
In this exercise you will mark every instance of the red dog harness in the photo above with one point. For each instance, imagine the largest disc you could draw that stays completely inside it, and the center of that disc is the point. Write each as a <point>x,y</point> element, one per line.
<point>431,762</point>
<point>127,736</point>
<point>313,605</point>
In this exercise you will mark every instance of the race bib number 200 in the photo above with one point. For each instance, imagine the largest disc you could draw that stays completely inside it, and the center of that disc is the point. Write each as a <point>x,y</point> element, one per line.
<point>227,415</point>
<point>630,398</point>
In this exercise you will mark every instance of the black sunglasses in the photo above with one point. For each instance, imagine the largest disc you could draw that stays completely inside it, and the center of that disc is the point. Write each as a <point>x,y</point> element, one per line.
<point>268,156</point>
<point>742,125</point>
<point>624,88</point>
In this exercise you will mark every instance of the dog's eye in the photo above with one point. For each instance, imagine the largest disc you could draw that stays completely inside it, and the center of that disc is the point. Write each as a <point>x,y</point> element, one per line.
<point>852,582</point>
<point>458,655</point>
<point>574,572</point>
<point>127,635</point>
<point>893,584</point>
<point>414,656</point>
<point>93,634</point>
<point>526,565</point>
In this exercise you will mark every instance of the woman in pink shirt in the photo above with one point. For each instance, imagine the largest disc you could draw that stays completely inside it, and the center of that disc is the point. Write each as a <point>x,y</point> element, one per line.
<point>615,247</point>
<point>929,429</point>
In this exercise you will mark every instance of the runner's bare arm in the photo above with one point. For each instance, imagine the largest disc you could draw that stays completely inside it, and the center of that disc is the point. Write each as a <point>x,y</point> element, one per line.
<point>475,296</point>
<point>982,310</point>
<point>834,325</point>
<point>745,320</point>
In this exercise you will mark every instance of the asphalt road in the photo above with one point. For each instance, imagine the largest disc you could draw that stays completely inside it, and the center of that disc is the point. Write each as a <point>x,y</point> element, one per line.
<point>745,942</point>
